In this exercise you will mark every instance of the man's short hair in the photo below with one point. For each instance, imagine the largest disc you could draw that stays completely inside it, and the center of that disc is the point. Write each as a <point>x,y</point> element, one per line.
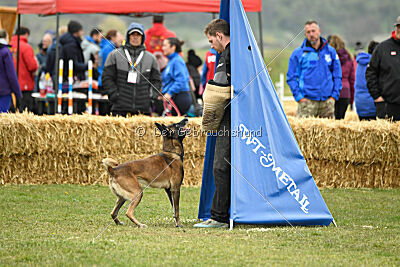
<point>95,31</point>
<point>372,45</point>
<point>74,26</point>
<point>217,25</point>
<point>158,19</point>
<point>309,22</point>
<point>22,31</point>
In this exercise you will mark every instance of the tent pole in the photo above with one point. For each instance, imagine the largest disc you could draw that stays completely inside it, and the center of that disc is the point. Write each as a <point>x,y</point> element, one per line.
<point>57,63</point>
<point>334,223</point>
<point>18,26</point>
<point>261,37</point>
<point>213,16</point>
<point>230,224</point>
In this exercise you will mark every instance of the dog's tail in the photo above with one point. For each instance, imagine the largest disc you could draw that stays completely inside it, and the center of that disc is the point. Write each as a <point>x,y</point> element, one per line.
<point>110,164</point>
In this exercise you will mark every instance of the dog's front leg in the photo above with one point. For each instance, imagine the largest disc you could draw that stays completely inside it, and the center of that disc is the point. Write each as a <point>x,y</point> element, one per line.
<point>176,195</point>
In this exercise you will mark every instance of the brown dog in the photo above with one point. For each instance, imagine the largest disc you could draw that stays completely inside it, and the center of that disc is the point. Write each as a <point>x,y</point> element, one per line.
<point>164,170</point>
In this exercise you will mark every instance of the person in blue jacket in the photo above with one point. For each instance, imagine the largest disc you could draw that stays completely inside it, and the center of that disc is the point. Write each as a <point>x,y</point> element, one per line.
<point>315,75</point>
<point>365,105</point>
<point>113,40</point>
<point>175,77</point>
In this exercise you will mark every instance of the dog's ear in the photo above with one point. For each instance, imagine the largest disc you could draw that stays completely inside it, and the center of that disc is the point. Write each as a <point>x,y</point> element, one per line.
<point>183,122</point>
<point>160,127</point>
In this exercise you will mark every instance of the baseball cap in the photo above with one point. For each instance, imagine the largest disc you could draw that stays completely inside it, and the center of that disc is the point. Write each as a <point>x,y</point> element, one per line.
<point>135,30</point>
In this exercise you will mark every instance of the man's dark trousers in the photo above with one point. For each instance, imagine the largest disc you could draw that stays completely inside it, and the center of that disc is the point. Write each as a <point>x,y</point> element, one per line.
<point>222,170</point>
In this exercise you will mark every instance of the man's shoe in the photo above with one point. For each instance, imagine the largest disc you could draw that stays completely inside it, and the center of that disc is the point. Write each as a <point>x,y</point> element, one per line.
<point>210,223</point>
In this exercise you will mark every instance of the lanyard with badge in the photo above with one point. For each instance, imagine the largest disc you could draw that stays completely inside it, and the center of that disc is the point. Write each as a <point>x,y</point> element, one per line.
<point>132,75</point>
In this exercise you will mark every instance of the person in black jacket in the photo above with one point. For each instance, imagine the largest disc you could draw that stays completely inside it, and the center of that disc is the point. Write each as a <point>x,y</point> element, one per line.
<point>131,76</point>
<point>71,49</point>
<point>218,34</point>
<point>383,76</point>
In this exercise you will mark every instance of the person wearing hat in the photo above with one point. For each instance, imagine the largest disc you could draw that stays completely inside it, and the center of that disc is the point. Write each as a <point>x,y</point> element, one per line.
<point>131,76</point>
<point>383,76</point>
<point>71,49</point>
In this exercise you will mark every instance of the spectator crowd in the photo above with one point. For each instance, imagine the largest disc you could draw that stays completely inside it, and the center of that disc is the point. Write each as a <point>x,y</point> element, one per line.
<point>325,78</point>
<point>143,72</point>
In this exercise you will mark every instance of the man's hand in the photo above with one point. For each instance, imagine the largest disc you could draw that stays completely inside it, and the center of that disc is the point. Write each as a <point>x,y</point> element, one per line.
<point>331,98</point>
<point>379,99</point>
<point>303,100</point>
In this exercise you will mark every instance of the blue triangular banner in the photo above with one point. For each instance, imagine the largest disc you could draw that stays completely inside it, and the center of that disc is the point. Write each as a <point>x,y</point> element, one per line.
<point>271,183</point>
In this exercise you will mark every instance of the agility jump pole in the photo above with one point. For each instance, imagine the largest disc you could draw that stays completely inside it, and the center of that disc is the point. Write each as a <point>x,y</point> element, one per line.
<point>60,81</point>
<point>90,92</point>
<point>70,82</point>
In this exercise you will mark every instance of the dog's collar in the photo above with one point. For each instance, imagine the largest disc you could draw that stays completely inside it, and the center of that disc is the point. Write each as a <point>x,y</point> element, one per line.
<point>173,152</point>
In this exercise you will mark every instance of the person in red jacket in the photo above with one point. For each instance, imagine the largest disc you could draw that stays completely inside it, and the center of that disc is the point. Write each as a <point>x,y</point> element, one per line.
<point>209,67</point>
<point>27,67</point>
<point>156,35</point>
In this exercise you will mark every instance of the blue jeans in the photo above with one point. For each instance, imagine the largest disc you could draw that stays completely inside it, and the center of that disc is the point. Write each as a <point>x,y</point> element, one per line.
<point>5,102</point>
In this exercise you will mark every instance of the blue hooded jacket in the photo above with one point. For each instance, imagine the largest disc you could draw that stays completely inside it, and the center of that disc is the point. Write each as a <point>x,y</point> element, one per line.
<point>315,74</point>
<point>103,54</point>
<point>365,105</point>
<point>175,77</point>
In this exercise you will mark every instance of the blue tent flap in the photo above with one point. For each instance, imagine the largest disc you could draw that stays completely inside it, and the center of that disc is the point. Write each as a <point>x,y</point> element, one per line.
<point>271,183</point>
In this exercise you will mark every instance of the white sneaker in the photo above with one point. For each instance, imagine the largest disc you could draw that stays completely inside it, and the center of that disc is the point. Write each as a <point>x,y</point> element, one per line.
<point>210,223</point>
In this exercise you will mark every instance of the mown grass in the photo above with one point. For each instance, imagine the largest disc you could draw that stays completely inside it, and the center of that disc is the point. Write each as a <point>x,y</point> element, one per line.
<point>56,225</point>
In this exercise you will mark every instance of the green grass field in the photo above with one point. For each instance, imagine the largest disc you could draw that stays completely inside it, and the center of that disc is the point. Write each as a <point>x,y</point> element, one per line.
<point>56,224</point>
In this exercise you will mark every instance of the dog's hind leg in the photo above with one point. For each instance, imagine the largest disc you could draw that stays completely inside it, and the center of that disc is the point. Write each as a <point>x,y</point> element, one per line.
<point>114,213</point>
<point>168,191</point>
<point>135,200</point>
<point>175,196</point>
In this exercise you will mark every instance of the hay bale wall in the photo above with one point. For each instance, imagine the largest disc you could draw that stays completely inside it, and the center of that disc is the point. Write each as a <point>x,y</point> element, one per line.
<point>69,149</point>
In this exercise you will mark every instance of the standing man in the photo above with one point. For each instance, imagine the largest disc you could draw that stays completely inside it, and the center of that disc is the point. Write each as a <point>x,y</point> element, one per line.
<point>315,75</point>
<point>155,39</point>
<point>131,76</point>
<point>218,34</point>
<point>383,76</point>
<point>71,49</point>
<point>157,34</point>
<point>91,44</point>
<point>27,67</point>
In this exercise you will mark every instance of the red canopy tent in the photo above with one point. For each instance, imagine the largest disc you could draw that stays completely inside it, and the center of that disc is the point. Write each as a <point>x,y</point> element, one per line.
<point>125,7</point>
<point>52,7</point>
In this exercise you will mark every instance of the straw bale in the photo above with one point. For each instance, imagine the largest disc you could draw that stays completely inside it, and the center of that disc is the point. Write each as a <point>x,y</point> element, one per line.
<point>85,135</point>
<point>44,169</point>
<point>69,149</point>
<point>348,141</point>
<point>337,174</point>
